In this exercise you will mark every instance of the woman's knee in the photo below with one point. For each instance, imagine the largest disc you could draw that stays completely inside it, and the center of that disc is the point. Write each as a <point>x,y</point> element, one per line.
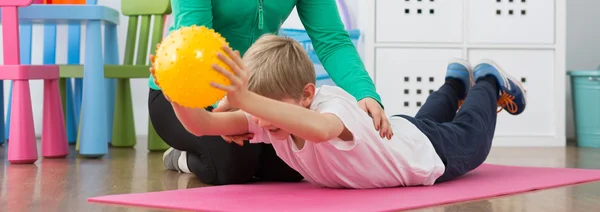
<point>229,163</point>
<point>273,168</point>
<point>232,175</point>
<point>206,171</point>
<point>165,122</point>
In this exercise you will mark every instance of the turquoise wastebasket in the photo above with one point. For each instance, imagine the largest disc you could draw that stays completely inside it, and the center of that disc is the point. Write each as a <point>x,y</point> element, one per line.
<point>585,87</point>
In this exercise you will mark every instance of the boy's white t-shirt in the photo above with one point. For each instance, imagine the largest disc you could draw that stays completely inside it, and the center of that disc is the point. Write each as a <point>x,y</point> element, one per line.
<point>369,161</point>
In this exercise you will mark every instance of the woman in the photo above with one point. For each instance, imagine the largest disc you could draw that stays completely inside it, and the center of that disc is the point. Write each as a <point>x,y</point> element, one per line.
<point>241,22</point>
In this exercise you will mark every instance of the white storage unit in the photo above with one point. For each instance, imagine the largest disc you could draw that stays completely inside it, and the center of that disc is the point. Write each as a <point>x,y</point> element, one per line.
<point>408,44</point>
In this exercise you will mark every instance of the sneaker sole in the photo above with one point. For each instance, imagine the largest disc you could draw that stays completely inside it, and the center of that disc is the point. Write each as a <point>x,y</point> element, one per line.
<point>497,67</point>
<point>469,69</point>
<point>166,153</point>
<point>182,163</point>
<point>522,89</point>
<point>506,76</point>
<point>460,61</point>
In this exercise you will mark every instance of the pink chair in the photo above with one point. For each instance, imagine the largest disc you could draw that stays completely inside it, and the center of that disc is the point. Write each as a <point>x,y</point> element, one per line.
<point>22,146</point>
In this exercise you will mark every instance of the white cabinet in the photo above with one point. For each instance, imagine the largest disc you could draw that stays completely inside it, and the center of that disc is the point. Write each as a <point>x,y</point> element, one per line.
<point>407,52</point>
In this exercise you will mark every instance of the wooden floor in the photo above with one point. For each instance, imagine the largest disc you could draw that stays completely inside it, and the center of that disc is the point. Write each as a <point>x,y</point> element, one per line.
<point>65,184</point>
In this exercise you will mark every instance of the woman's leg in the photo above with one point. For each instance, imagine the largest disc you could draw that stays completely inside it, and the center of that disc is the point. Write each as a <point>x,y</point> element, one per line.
<point>272,168</point>
<point>210,158</point>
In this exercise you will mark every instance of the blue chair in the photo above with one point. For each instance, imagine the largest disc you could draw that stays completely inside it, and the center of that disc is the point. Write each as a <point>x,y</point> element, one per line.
<point>97,93</point>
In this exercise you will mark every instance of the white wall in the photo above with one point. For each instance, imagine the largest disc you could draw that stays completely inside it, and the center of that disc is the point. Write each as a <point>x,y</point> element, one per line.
<point>583,51</point>
<point>139,87</point>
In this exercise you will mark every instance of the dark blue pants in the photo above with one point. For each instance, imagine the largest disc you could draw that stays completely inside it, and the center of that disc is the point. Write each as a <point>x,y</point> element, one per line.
<point>462,139</point>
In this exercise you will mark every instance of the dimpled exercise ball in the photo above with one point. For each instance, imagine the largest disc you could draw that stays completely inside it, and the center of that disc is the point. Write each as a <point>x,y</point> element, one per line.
<point>183,66</point>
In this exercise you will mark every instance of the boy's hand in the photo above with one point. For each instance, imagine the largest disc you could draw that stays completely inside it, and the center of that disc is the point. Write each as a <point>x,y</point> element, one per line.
<point>239,78</point>
<point>238,139</point>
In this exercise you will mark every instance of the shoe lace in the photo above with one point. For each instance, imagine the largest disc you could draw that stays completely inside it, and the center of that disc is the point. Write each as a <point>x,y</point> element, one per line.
<point>506,101</point>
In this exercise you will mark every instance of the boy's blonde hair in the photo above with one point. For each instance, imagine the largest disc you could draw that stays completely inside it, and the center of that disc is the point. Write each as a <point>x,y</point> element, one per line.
<point>279,67</point>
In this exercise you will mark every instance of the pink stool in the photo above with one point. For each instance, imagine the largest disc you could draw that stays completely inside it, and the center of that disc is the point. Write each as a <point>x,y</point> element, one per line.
<point>22,147</point>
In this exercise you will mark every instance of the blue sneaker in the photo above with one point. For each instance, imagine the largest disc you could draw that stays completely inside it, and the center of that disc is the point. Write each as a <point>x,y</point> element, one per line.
<point>461,70</point>
<point>512,96</point>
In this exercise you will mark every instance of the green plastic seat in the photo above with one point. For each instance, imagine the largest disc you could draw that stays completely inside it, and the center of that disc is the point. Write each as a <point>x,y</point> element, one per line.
<point>147,15</point>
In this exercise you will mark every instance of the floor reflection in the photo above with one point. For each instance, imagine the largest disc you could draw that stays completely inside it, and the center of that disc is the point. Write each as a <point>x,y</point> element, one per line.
<point>65,184</point>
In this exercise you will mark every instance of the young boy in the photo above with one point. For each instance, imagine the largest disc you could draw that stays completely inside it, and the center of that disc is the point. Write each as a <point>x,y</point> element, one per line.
<point>324,135</point>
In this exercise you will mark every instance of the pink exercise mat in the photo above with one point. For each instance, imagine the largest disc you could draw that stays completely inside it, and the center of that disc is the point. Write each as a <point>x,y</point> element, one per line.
<point>486,181</point>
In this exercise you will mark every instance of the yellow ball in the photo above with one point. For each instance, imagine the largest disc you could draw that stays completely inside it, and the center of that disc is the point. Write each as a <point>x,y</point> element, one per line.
<point>183,66</point>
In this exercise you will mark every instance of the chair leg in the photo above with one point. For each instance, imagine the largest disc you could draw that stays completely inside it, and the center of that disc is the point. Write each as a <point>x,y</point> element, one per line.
<point>155,143</point>
<point>78,90</point>
<point>111,56</point>
<point>62,85</point>
<point>78,142</point>
<point>110,107</point>
<point>94,134</point>
<point>54,137</point>
<point>71,122</point>
<point>2,125</point>
<point>53,127</point>
<point>26,36</point>
<point>123,126</point>
<point>8,111</point>
<point>22,147</point>
<point>73,57</point>
<point>62,82</point>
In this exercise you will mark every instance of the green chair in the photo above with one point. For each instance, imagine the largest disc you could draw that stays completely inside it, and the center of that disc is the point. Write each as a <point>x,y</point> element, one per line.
<point>149,14</point>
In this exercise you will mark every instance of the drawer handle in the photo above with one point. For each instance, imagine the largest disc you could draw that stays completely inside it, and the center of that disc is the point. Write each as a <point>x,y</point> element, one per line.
<point>594,78</point>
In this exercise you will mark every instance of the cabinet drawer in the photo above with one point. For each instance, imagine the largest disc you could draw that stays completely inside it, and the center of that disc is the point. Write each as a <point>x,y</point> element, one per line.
<point>405,77</point>
<point>511,22</point>
<point>413,21</point>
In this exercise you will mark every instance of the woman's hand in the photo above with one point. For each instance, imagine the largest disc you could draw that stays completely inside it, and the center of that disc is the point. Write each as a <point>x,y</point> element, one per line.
<point>380,120</point>
<point>152,59</point>
<point>238,139</point>
<point>224,106</point>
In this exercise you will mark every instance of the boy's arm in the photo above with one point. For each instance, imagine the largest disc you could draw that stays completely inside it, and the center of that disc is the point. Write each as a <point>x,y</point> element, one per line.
<point>310,125</point>
<point>200,122</point>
